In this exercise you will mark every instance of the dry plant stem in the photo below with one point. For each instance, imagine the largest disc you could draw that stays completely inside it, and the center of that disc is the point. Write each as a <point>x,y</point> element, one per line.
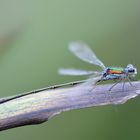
<point>39,107</point>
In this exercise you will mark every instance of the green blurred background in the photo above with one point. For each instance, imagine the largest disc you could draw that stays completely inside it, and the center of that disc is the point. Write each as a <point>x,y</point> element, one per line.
<point>40,31</point>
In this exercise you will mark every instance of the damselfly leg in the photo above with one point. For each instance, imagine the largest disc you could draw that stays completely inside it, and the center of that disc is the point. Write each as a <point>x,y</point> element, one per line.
<point>96,84</point>
<point>115,84</point>
<point>130,82</point>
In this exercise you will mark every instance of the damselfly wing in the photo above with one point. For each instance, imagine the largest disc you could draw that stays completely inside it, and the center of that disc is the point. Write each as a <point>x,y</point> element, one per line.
<point>83,52</point>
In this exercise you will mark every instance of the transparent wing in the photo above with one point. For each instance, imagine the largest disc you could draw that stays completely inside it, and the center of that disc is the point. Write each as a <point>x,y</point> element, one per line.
<point>82,51</point>
<point>77,72</point>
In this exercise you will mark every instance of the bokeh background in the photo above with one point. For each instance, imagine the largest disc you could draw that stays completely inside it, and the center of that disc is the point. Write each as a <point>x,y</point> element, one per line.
<point>34,35</point>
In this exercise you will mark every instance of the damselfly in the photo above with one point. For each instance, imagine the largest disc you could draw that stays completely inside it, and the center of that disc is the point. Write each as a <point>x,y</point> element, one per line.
<point>83,52</point>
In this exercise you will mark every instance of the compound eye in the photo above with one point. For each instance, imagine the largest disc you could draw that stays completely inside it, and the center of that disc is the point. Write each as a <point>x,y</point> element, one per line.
<point>131,71</point>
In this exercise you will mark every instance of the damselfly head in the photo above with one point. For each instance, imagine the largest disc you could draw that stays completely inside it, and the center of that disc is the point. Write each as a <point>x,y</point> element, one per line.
<point>131,70</point>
